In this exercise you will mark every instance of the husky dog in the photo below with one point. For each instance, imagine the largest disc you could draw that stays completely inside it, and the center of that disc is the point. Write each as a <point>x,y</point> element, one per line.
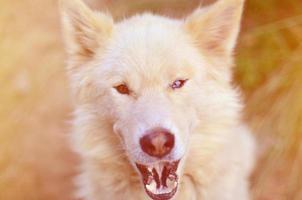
<point>156,116</point>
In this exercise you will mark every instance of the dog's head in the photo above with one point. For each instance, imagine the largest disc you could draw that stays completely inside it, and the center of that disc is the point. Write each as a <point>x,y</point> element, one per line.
<point>155,81</point>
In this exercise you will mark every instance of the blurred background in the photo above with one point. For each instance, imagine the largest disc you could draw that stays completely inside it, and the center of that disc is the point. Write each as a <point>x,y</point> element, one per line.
<point>35,108</point>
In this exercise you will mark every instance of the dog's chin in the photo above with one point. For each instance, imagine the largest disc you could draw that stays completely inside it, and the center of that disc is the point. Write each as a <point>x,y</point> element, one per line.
<point>160,180</point>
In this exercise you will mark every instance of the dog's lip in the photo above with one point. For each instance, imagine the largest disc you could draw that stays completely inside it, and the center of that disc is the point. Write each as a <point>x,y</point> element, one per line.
<point>160,180</point>
<point>164,196</point>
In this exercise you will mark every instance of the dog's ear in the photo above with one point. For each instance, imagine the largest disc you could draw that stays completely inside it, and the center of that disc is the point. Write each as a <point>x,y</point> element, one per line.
<point>85,31</point>
<point>215,28</point>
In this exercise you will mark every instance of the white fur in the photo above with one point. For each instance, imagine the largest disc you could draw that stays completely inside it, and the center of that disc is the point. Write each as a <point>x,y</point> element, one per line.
<point>148,53</point>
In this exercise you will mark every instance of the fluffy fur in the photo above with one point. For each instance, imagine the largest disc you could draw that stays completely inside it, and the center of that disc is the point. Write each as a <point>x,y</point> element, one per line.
<point>149,52</point>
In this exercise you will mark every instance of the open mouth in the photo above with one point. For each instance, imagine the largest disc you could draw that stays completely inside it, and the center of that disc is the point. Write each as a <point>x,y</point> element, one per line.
<point>160,180</point>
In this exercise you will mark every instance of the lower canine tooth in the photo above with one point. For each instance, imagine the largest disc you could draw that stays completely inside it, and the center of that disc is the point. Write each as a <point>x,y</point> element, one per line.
<point>172,177</point>
<point>150,179</point>
<point>158,167</point>
<point>151,186</point>
<point>171,183</point>
<point>150,169</point>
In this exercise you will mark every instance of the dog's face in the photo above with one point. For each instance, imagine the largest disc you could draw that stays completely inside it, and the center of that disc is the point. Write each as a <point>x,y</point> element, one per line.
<point>146,76</point>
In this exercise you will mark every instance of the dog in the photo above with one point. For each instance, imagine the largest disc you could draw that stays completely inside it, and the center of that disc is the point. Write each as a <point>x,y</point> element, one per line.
<point>156,114</point>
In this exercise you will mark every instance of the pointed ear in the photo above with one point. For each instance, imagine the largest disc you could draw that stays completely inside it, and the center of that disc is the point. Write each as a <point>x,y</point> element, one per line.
<point>215,28</point>
<point>85,31</point>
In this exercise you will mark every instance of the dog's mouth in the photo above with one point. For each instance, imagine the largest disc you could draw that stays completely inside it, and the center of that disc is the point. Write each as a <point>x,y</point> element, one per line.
<point>160,180</point>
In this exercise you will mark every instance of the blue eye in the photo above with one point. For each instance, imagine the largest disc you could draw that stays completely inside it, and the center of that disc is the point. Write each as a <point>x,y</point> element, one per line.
<point>178,84</point>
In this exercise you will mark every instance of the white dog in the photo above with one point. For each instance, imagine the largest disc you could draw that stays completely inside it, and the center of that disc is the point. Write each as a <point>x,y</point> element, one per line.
<point>156,115</point>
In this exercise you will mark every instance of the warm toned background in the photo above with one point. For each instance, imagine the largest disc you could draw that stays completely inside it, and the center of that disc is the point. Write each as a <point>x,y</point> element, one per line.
<point>35,111</point>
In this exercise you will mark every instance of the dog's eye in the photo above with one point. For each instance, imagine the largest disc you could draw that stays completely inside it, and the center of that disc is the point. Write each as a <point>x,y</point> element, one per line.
<point>122,89</point>
<point>178,84</point>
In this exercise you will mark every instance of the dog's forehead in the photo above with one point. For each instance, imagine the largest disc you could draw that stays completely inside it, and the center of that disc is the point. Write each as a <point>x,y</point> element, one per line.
<point>150,43</point>
<point>148,29</point>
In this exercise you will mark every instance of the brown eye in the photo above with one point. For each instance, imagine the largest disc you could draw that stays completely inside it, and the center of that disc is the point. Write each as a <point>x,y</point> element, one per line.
<point>178,84</point>
<point>122,89</point>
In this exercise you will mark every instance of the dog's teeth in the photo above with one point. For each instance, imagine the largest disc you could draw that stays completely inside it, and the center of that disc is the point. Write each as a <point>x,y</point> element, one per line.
<point>156,167</point>
<point>152,186</point>
<point>171,183</point>
<point>150,169</point>
<point>150,179</point>
<point>159,183</point>
<point>163,191</point>
<point>159,168</point>
<point>172,177</point>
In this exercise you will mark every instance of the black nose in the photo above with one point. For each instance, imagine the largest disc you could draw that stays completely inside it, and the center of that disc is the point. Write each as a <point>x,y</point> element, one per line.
<point>157,142</point>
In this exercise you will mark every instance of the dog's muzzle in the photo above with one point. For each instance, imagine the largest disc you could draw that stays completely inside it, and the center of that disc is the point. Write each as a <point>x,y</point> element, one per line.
<point>160,180</point>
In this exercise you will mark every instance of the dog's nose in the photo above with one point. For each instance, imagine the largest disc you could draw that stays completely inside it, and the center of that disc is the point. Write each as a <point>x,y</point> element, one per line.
<point>157,142</point>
